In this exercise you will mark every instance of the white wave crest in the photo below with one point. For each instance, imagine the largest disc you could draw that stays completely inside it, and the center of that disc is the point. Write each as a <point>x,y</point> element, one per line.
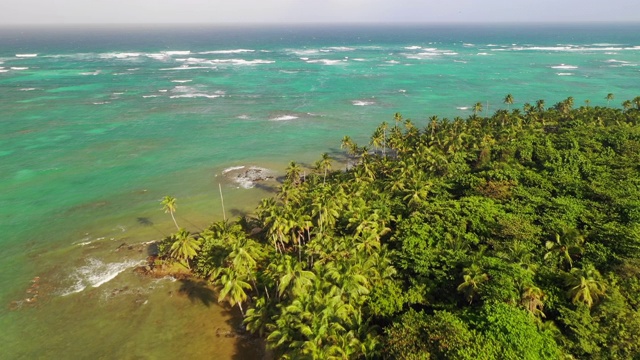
<point>119,55</point>
<point>177,52</point>
<point>19,68</point>
<point>564,74</point>
<point>415,47</point>
<point>236,51</point>
<point>97,72</point>
<point>462,108</point>
<point>232,168</point>
<point>195,96</point>
<point>96,273</point>
<point>339,48</point>
<point>283,118</point>
<point>27,89</point>
<point>325,61</point>
<point>26,55</point>
<point>363,102</point>
<point>181,81</point>
<point>564,67</point>
<point>3,71</point>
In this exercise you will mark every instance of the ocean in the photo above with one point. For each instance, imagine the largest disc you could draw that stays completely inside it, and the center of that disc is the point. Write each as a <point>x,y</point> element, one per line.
<point>99,123</point>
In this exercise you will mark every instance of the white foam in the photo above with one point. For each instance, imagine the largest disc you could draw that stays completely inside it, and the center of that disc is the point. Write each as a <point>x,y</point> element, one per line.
<point>27,89</point>
<point>467,45</point>
<point>564,67</point>
<point>19,68</point>
<point>119,55</point>
<point>149,96</point>
<point>462,108</point>
<point>325,61</point>
<point>413,47</point>
<point>195,96</point>
<point>91,73</point>
<point>101,102</point>
<point>359,59</point>
<point>199,61</point>
<point>3,71</point>
<point>162,90</point>
<point>564,74</point>
<point>232,168</point>
<point>97,273</point>
<point>392,62</point>
<point>482,54</point>
<point>362,102</point>
<point>242,117</point>
<point>181,81</point>
<point>235,51</point>
<point>283,118</point>
<point>339,48</point>
<point>305,52</point>
<point>26,55</point>
<point>187,67</point>
<point>177,52</point>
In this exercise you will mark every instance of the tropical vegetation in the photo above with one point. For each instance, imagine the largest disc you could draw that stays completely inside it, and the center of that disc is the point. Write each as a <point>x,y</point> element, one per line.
<point>511,236</point>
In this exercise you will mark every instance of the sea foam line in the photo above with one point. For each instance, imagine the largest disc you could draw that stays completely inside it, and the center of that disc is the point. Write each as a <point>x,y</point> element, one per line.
<point>97,273</point>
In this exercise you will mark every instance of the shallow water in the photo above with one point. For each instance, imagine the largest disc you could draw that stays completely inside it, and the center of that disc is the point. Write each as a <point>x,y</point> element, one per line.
<point>99,124</point>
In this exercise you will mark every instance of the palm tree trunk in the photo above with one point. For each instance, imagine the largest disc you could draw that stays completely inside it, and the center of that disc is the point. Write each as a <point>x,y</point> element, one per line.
<point>174,220</point>
<point>224,215</point>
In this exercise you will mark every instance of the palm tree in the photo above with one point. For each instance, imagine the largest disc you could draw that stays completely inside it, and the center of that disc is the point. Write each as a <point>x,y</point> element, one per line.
<point>540,105</point>
<point>609,97</point>
<point>587,103</point>
<point>477,108</point>
<point>626,104</point>
<point>185,247</point>
<point>636,102</point>
<point>584,285</point>
<point>567,246</point>
<point>169,206</point>
<point>532,301</point>
<point>293,173</point>
<point>508,100</point>
<point>324,164</point>
<point>473,278</point>
<point>232,287</point>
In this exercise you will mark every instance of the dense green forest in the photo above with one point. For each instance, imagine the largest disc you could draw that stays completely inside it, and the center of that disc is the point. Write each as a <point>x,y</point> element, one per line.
<point>513,236</point>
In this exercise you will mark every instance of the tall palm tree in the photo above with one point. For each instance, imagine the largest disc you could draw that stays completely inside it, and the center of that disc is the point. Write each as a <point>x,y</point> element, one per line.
<point>324,165</point>
<point>636,102</point>
<point>293,173</point>
<point>508,100</point>
<point>169,206</point>
<point>540,105</point>
<point>477,108</point>
<point>585,285</point>
<point>626,104</point>
<point>609,97</point>
<point>185,247</point>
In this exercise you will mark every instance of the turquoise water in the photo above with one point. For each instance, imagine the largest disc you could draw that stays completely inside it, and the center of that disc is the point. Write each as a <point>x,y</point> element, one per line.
<point>98,124</point>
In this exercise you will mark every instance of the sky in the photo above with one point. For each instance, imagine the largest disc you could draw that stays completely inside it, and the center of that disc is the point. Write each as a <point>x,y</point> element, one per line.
<point>67,12</point>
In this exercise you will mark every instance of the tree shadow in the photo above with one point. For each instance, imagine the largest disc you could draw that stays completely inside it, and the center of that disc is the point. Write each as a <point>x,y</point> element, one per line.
<point>197,291</point>
<point>144,221</point>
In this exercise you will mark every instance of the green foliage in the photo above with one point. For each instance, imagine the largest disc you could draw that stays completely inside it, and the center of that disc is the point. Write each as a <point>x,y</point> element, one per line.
<point>514,236</point>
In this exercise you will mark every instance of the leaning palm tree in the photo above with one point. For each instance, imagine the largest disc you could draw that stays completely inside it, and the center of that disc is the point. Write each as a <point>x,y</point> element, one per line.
<point>609,97</point>
<point>231,287</point>
<point>324,164</point>
<point>169,206</point>
<point>508,100</point>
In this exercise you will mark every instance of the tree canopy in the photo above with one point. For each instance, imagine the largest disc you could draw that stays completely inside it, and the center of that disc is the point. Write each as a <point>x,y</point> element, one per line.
<point>510,236</point>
